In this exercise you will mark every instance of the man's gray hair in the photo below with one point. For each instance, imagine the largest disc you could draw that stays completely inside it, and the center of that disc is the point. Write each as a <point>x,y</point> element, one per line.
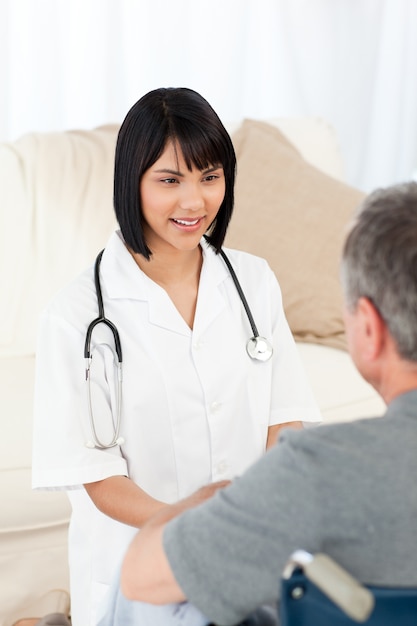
<point>379,262</point>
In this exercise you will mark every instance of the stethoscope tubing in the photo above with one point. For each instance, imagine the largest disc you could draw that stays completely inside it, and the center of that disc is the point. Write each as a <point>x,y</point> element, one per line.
<point>240,292</point>
<point>101,319</point>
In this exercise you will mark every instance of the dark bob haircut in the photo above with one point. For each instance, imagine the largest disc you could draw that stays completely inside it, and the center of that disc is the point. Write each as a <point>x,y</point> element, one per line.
<point>185,117</point>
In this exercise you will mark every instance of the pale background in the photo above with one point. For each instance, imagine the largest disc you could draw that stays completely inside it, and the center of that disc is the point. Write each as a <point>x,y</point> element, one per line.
<point>81,63</point>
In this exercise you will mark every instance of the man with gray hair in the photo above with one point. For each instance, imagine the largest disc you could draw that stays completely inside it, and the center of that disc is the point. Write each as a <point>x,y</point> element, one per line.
<point>349,490</point>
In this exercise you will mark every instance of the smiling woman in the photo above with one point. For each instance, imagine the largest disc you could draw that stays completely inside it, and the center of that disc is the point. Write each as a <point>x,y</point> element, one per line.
<point>184,144</point>
<point>196,408</point>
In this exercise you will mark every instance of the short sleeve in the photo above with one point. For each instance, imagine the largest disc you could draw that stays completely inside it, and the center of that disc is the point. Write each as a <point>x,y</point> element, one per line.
<point>61,458</point>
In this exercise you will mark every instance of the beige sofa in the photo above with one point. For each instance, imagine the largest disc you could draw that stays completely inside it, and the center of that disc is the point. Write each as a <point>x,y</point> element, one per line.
<point>56,213</point>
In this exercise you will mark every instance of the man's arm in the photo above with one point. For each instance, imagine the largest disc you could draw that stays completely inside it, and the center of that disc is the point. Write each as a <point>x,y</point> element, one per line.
<point>226,555</point>
<point>146,574</point>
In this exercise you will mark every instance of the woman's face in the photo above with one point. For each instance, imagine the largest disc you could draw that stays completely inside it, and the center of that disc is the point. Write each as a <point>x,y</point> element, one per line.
<point>178,205</point>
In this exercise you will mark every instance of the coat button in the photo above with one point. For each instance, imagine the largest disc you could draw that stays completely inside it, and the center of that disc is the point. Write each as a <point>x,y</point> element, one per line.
<point>222,467</point>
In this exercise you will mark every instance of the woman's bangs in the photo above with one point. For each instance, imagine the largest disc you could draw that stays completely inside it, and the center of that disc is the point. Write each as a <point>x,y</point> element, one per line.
<point>200,151</point>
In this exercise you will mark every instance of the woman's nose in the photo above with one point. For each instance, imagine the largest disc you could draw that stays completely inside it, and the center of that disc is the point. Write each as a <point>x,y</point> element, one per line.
<point>191,198</point>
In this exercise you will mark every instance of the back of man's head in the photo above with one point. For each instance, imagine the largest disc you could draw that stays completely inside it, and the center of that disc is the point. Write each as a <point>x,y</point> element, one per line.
<point>379,262</point>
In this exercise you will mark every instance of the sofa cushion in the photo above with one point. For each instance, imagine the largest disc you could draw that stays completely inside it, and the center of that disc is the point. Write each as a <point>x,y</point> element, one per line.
<point>340,391</point>
<point>25,510</point>
<point>33,544</point>
<point>56,214</point>
<point>295,216</point>
<point>314,138</point>
<point>17,379</point>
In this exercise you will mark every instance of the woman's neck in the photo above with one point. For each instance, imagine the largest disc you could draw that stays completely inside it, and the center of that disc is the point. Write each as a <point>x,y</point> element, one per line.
<point>179,275</point>
<point>170,269</point>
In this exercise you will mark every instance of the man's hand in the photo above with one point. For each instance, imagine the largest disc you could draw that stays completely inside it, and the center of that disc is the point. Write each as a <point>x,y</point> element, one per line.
<point>201,495</point>
<point>146,573</point>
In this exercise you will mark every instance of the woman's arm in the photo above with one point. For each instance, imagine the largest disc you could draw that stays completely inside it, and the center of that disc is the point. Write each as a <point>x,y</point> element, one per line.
<point>274,431</point>
<point>120,498</point>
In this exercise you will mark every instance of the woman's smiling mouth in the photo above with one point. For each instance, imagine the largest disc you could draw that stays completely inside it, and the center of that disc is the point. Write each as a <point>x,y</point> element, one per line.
<point>185,222</point>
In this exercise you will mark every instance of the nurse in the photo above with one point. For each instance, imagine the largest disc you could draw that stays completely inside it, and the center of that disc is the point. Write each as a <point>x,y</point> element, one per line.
<point>196,408</point>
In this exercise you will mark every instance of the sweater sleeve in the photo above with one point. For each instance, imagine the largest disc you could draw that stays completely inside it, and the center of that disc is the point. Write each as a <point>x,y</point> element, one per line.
<point>228,554</point>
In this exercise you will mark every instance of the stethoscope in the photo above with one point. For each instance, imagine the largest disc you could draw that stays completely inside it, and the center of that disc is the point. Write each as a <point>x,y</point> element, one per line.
<point>257,347</point>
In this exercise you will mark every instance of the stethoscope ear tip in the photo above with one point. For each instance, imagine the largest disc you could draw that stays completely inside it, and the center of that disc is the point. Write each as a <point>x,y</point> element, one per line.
<point>90,444</point>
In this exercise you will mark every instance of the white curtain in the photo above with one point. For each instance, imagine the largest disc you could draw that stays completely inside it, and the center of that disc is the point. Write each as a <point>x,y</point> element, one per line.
<point>82,63</point>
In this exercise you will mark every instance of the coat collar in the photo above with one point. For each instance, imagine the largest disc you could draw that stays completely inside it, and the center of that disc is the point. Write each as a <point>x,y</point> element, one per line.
<point>121,278</point>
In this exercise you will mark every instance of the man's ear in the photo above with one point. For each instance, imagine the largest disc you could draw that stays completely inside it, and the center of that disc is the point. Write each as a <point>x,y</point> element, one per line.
<point>373,329</point>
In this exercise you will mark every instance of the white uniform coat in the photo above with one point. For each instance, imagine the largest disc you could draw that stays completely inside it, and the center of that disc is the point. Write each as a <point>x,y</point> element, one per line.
<point>196,408</point>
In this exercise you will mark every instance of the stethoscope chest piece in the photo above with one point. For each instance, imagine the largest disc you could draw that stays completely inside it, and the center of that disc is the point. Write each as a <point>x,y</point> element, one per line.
<point>259,348</point>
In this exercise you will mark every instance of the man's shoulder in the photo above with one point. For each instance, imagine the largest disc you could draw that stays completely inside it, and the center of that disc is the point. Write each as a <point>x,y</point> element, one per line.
<point>332,431</point>
<point>334,441</point>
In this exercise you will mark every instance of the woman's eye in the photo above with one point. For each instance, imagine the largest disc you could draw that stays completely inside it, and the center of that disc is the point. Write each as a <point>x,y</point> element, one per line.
<point>169,181</point>
<point>211,177</point>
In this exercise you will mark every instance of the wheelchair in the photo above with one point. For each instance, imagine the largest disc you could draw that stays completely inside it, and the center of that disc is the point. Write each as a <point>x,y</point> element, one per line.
<point>316,591</point>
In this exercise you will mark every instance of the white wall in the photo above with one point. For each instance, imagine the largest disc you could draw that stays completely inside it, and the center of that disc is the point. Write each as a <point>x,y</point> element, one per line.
<point>81,63</point>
